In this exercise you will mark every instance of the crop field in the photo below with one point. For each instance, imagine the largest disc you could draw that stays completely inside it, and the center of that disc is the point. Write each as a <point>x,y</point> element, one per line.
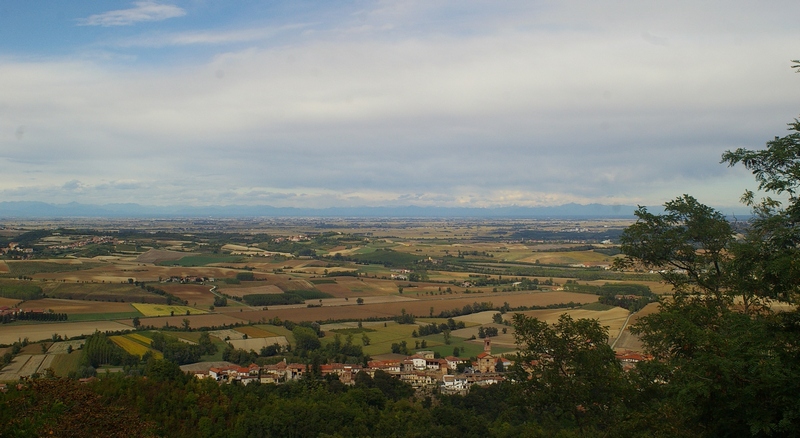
<point>4,268</point>
<point>227,334</point>
<point>63,364</point>
<point>613,318</point>
<point>74,307</point>
<point>335,289</point>
<point>99,292</point>
<point>30,268</point>
<point>242,291</point>
<point>8,302</point>
<point>165,310</point>
<point>134,346</point>
<point>288,285</point>
<point>256,344</point>
<point>192,293</point>
<point>255,332</point>
<point>63,346</point>
<point>196,321</point>
<point>11,333</point>
<point>156,256</point>
<point>202,260</point>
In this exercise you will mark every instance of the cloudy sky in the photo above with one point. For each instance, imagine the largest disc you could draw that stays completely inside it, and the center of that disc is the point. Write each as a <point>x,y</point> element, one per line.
<point>367,103</point>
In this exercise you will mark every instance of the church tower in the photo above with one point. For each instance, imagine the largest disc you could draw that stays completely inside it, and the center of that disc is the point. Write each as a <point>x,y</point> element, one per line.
<point>487,345</point>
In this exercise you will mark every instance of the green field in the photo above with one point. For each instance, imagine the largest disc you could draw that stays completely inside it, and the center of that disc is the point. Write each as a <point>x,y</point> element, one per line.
<point>102,316</point>
<point>202,260</point>
<point>63,364</point>
<point>28,268</point>
<point>165,310</point>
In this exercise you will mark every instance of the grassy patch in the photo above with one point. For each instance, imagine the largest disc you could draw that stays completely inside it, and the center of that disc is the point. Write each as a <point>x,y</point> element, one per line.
<point>353,331</point>
<point>63,364</point>
<point>28,268</point>
<point>202,260</point>
<point>22,290</point>
<point>596,306</point>
<point>165,310</point>
<point>322,281</point>
<point>135,346</point>
<point>102,316</point>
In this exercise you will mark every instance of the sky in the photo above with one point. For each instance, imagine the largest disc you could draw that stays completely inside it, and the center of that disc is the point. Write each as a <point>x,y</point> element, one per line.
<point>390,103</point>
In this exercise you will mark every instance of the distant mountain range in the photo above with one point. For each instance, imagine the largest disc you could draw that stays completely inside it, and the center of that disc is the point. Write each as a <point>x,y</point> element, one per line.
<point>31,210</point>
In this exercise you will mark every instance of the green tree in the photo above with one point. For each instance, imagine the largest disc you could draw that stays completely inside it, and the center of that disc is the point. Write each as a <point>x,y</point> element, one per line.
<point>567,372</point>
<point>688,245</point>
<point>305,339</point>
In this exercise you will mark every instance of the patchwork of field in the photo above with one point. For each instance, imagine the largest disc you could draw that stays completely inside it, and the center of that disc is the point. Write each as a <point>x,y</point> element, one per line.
<point>196,321</point>
<point>11,333</point>
<point>99,291</point>
<point>255,332</point>
<point>227,334</point>
<point>136,344</point>
<point>8,302</point>
<point>166,310</point>
<point>25,365</point>
<point>120,271</point>
<point>198,294</point>
<point>417,307</point>
<point>242,291</point>
<point>63,346</point>
<point>156,256</point>
<point>71,307</point>
<point>256,344</point>
<point>613,318</point>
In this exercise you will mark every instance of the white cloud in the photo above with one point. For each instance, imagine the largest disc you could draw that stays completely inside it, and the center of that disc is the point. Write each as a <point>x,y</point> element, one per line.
<point>208,37</point>
<point>142,11</point>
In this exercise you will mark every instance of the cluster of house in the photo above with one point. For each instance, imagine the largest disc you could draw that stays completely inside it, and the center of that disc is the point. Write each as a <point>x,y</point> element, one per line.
<point>400,274</point>
<point>422,370</point>
<point>15,249</point>
<point>84,242</point>
<point>186,279</point>
<point>298,238</point>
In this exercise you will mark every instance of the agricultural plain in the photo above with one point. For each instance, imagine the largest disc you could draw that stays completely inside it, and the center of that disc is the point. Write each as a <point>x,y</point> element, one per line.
<point>183,277</point>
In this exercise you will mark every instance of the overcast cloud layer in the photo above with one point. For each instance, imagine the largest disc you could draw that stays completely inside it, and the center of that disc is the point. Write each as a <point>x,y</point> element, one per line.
<point>368,103</point>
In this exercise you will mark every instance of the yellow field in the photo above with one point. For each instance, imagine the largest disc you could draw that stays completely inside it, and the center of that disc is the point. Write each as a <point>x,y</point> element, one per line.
<point>137,337</point>
<point>134,347</point>
<point>165,310</point>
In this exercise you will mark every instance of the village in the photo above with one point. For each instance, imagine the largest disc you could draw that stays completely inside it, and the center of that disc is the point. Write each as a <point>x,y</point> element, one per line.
<point>422,370</point>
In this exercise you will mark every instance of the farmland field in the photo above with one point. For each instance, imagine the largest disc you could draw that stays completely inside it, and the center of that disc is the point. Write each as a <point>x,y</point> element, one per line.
<point>254,332</point>
<point>10,333</point>
<point>73,307</point>
<point>8,302</point>
<point>63,364</point>
<point>100,292</point>
<point>135,345</point>
<point>196,321</point>
<point>156,256</point>
<point>256,344</point>
<point>242,291</point>
<point>166,310</point>
<point>201,260</point>
<point>32,268</point>
<point>191,293</point>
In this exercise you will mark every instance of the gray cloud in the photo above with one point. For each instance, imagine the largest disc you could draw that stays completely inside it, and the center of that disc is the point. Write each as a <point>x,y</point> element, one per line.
<point>513,106</point>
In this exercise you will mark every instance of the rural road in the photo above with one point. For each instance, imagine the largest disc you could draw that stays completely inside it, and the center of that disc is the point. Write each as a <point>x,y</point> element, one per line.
<point>625,324</point>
